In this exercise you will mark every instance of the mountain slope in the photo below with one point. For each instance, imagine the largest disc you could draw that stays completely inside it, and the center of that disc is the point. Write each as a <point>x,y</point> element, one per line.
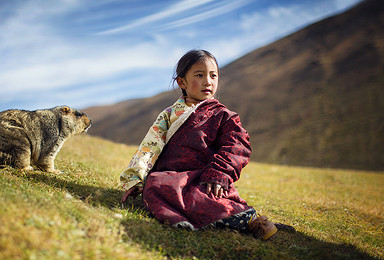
<point>316,97</point>
<point>313,98</point>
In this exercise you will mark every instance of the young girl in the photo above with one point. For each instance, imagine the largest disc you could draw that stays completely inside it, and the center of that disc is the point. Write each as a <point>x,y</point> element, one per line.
<point>193,153</point>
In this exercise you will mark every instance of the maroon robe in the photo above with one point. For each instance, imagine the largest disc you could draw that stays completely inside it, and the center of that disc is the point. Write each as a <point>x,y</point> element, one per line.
<point>210,147</point>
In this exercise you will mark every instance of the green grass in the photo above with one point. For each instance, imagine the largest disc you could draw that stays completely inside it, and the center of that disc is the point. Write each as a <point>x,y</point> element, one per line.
<point>76,214</point>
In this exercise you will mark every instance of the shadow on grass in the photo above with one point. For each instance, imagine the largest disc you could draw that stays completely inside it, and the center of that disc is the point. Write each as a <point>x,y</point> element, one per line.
<point>93,195</point>
<point>208,244</point>
<point>230,244</point>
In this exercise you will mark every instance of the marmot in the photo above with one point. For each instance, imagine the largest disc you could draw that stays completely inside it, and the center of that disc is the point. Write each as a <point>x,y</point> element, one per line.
<point>35,137</point>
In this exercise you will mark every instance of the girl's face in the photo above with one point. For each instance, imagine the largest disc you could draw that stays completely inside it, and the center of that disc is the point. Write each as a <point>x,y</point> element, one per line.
<point>200,82</point>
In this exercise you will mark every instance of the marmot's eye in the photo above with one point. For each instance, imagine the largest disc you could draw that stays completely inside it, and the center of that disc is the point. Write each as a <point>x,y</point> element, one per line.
<point>78,114</point>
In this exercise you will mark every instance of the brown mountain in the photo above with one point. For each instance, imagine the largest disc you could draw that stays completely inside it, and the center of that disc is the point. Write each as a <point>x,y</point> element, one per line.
<point>313,98</point>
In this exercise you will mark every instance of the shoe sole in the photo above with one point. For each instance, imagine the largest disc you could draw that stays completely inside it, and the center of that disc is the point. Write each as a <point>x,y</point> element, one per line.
<point>270,233</point>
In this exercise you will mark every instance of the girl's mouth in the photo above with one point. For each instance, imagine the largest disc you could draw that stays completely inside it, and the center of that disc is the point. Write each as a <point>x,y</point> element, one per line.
<point>206,91</point>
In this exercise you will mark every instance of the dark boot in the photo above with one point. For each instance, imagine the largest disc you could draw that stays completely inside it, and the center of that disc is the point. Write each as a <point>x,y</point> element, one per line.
<point>261,227</point>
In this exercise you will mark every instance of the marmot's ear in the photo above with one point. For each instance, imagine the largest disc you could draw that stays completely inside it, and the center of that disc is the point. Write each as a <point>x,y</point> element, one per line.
<point>66,110</point>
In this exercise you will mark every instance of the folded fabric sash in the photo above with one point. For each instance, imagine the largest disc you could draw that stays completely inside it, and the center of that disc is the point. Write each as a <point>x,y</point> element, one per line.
<point>161,131</point>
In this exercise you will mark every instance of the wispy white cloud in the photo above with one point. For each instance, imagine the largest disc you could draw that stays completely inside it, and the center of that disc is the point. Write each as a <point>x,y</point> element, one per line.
<point>171,10</point>
<point>87,68</point>
<point>227,6</point>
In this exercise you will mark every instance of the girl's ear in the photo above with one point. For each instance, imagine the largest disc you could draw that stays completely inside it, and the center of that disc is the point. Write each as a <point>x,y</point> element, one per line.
<point>180,81</point>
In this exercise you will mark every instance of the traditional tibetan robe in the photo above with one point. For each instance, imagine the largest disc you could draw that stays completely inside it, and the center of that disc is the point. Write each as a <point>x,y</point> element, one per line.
<point>208,146</point>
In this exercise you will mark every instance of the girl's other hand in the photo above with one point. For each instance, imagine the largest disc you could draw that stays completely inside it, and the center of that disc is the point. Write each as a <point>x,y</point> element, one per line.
<point>217,190</point>
<point>133,192</point>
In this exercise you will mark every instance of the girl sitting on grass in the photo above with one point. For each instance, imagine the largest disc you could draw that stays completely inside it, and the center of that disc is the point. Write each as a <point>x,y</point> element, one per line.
<point>190,158</point>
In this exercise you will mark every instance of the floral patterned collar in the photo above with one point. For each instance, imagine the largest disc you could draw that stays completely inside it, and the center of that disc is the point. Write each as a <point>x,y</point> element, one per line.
<point>161,131</point>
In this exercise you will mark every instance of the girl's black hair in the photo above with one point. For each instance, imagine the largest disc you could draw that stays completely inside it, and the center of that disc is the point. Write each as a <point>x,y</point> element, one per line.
<point>186,62</point>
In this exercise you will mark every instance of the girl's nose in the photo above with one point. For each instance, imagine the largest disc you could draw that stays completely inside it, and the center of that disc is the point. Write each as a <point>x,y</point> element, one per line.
<point>207,81</point>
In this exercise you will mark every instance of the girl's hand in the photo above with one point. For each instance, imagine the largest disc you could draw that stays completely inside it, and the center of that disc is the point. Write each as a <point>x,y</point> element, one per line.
<point>217,190</point>
<point>133,192</point>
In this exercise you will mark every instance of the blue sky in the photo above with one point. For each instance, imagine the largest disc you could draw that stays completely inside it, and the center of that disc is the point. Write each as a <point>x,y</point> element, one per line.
<point>95,52</point>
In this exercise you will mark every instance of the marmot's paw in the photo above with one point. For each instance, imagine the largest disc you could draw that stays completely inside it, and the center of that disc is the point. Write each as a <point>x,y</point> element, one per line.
<point>28,168</point>
<point>55,171</point>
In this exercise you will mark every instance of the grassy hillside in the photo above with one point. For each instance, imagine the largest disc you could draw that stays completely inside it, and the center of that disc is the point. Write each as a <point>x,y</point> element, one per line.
<point>76,214</point>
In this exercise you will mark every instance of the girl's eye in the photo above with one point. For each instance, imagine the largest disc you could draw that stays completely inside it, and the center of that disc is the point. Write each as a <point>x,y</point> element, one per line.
<point>199,75</point>
<point>213,75</point>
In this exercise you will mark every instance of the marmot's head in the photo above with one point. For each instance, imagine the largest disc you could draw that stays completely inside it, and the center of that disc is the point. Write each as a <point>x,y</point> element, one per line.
<point>74,121</point>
